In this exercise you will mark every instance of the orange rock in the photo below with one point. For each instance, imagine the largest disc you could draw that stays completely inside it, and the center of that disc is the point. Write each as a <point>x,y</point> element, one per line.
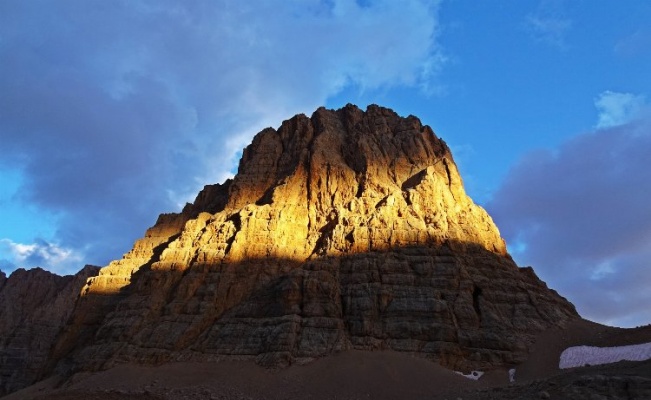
<point>348,229</point>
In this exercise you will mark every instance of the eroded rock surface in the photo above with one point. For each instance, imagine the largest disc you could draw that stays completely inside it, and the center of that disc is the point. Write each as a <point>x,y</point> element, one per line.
<point>348,229</point>
<point>34,306</point>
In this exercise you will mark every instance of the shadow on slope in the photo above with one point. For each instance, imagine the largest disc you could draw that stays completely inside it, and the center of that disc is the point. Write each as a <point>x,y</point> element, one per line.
<point>456,303</point>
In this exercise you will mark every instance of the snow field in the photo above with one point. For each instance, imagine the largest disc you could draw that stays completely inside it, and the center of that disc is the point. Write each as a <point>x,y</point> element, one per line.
<point>580,356</point>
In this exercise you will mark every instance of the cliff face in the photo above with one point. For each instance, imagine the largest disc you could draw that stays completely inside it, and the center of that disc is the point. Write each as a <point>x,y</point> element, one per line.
<point>34,306</point>
<point>346,230</point>
<point>349,229</point>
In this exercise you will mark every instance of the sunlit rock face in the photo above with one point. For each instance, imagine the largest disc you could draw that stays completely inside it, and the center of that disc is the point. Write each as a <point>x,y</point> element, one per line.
<point>34,306</point>
<point>348,229</point>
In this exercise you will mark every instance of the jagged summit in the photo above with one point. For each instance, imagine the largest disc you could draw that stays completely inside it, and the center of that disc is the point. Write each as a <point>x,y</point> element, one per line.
<point>340,182</point>
<point>348,229</point>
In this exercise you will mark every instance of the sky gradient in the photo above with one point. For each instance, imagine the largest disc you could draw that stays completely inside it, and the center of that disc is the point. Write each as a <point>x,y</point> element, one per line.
<point>111,113</point>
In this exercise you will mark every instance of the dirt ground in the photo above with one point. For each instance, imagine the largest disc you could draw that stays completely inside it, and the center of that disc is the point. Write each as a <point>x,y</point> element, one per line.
<point>372,375</point>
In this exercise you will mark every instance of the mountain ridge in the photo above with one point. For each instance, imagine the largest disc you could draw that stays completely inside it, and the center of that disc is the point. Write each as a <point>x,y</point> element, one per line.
<point>34,306</point>
<point>348,229</point>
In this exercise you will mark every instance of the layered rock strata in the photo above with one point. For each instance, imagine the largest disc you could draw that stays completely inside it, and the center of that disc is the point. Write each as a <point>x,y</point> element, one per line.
<point>34,307</point>
<point>348,229</point>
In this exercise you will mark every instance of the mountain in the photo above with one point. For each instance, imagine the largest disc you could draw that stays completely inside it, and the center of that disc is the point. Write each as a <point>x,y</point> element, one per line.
<point>34,306</point>
<point>349,229</point>
<point>346,230</point>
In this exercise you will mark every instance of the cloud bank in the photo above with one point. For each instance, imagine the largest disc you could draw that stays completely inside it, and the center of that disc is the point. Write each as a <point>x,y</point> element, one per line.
<point>115,112</point>
<point>580,214</point>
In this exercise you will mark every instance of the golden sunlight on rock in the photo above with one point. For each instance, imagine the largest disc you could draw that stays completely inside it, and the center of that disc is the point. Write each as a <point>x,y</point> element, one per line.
<point>346,230</point>
<point>317,189</point>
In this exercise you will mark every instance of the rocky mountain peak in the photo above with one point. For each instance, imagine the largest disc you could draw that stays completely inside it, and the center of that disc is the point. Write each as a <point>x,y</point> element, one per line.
<point>354,181</point>
<point>349,229</point>
<point>346,229</point>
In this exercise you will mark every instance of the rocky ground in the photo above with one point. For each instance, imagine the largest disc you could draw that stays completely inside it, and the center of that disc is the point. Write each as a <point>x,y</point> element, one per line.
<point>372,375</point>
<point>623,380</point>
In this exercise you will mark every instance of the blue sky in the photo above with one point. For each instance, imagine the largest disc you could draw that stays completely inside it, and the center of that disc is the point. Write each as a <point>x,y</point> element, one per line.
<point>111,113</point>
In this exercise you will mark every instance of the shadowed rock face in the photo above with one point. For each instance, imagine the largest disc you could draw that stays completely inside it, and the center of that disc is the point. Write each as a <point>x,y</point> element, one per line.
<point>346,230</point>
<point>349,229</point>
<point>34,306</point>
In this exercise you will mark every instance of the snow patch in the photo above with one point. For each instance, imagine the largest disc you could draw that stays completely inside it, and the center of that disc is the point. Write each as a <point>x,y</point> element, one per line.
<point>580,356</point>
<point>512,375</point>
<point>474,375</point>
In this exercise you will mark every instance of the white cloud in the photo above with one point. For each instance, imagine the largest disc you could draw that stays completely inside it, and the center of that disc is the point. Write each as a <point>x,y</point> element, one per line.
<point>115,114</point>
<point>549,30</point>
<point>618,108</point>
<point>548,24</point>
<point>41,254</point>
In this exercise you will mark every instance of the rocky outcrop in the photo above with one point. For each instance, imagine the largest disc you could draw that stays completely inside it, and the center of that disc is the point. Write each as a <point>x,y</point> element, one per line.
<point>104,291</point>
<point>34,306</point>
<point>348,229</point>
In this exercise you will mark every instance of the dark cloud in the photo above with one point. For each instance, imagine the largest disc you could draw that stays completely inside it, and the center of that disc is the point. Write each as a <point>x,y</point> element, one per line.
<point>114,112</point>
<point>580,215</point>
